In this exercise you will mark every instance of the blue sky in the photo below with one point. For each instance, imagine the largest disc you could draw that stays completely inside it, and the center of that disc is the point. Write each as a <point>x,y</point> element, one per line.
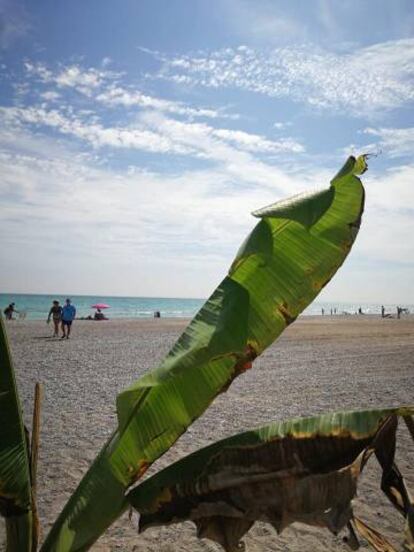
<point>136,138</point>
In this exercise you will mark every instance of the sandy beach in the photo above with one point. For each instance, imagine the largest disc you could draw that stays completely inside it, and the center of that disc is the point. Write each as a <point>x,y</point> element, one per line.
<point>319,364</point>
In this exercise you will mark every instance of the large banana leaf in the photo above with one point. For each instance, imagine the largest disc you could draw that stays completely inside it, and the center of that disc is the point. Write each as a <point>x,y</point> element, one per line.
<point>300,470</point>
<point>15,487</point>
<point>289,256</point>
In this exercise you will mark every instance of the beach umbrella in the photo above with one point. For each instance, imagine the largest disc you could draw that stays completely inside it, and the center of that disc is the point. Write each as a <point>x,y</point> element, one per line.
<point>100,306</point>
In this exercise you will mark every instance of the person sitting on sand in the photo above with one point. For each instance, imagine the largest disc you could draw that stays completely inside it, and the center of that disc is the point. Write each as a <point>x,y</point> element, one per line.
<point>68,316</point>
<point>8,311</point>
<point>99,315</point>
<point>56,314</point>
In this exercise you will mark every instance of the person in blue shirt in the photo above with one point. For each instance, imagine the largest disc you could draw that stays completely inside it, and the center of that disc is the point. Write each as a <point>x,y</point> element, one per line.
<point>68,316</point>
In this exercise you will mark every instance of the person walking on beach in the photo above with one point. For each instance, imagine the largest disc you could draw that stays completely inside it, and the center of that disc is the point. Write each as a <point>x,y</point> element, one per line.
<point>382,311</point>
<point>68,316</point>
<point>56,314</point>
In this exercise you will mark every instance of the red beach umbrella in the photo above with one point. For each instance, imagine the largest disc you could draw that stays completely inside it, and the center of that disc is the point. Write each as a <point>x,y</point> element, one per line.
<point>100,306</point>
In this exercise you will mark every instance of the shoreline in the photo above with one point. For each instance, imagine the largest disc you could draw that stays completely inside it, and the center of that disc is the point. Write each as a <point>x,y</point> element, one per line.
<point>302,316</point>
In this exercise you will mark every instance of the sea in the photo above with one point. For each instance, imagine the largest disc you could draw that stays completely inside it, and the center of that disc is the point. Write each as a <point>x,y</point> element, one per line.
<point>36,307</point>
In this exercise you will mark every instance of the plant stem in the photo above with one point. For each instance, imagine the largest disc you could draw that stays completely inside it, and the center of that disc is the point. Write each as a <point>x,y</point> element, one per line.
<point>33,463</point>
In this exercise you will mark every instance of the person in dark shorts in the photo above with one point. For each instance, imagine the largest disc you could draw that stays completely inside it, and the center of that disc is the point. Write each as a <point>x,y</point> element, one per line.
<point>68,316</point>
<point>56,314</point>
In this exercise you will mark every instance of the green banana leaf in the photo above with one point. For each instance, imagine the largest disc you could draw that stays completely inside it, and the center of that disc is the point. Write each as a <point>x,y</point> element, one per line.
<point>303,470</point>
<point>293,251</point>
<point>15,486</point>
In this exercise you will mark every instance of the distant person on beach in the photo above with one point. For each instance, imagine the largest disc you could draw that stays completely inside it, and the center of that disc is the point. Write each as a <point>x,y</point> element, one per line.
<point>360,311</point>
<point>56,314</point>
<point>8,311</point>
<point>323,311</point>
<point>382,311</point>
<point>68,316</point>
<point>99,315</point>
<point>157,314</point>
<point>399,311</point>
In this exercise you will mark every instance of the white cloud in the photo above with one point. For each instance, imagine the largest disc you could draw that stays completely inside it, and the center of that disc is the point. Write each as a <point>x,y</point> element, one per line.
<point>86,81</point>
<point>106,61</point>
<point>50,96</point>
<point>370,79</point>
<point>93,133</point>
<point>158,134</point>
<point>255,143</point>
<point>384,246</point>
<point>100,84</point>
<point>195,207</point>
<point>395,142</point>
<point>126,230</point>
<point>21,89</point>
<point>39,70</point>
<point>229,149</point>
<point>393,189</point>
<point>279,125</point>
<point>76,78</point>
<point>116,95</point>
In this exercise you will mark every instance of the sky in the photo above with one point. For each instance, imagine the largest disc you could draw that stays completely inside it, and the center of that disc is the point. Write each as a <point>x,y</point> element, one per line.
<point>136,137</point>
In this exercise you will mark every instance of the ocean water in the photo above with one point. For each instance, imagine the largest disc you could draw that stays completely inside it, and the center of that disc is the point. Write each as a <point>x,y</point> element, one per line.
<point>36,307</point>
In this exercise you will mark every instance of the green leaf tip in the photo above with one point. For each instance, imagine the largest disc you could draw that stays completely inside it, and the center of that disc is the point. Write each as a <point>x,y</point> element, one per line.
<point>353,167</point>
<point>308,207</point>
<point>361,164</point>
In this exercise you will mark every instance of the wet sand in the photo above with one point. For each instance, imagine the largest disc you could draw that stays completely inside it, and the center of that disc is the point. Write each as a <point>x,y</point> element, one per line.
<point>319,364</point>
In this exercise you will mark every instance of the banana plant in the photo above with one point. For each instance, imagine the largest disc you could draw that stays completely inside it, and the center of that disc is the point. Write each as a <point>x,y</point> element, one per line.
<point>294,250</point>
<point>15,482</point>
<point>303,470</point>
